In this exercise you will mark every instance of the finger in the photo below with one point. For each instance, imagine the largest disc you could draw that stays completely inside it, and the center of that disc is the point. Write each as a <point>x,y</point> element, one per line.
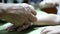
<point>11,28</point>
<point>33,12</point>
<point>32,18</point>
<point>45,31</point>
<point>23,27</point>
<point>31,8</point>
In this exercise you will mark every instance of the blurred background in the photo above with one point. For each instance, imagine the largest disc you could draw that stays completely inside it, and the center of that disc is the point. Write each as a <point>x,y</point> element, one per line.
<point>35,3</point>
<point>32,2</point>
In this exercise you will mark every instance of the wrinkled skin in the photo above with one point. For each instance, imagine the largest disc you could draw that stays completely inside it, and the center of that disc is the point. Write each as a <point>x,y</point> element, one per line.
<point>21,15</point>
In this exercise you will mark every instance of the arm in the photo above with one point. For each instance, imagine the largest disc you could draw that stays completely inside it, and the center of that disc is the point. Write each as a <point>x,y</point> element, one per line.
<point>48,19</point>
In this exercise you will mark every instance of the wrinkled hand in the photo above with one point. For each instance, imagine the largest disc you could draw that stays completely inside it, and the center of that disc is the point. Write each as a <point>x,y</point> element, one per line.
<point>20,15</point>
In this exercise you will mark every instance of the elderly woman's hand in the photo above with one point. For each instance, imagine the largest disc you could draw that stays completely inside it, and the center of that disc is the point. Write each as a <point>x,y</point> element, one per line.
<point>21,15</point>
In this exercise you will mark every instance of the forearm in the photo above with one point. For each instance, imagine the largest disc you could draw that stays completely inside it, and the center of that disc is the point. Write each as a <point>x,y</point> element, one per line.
<point>49,19</point>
